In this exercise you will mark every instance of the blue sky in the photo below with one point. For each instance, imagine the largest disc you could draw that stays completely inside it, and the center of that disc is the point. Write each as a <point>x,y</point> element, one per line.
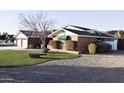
<point>100,20</point>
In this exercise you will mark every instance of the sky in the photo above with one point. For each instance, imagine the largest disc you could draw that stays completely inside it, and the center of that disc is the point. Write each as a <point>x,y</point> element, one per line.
<point>102,20</point>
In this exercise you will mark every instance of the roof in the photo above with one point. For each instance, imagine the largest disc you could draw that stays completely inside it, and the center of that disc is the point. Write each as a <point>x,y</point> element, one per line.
<point>10,36</point>
<point>82,31</point>
<point>89,33</point>
<point>83,28</point>
<point>112,32</point>
<point>32,33</point>
<point>29,33</point>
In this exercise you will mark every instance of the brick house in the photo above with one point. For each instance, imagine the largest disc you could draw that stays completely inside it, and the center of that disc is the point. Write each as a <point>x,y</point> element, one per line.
<point>82,36</point>
<point>29,39</point>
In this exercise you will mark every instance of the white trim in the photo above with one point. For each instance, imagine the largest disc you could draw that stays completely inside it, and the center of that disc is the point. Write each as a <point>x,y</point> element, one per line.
<point>19,33</point>
<point>23,34</point>
<point>57,31</point>
<point>27,42</point>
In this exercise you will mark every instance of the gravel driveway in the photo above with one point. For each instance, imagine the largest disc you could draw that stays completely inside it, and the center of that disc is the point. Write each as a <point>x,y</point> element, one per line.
<point>86,69</point>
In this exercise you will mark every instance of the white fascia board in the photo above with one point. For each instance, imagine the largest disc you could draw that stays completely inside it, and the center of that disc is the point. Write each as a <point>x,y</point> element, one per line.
<point>57,31</point>
<point>23,34</point>
<point>17,34</point>
<point>66,32</point>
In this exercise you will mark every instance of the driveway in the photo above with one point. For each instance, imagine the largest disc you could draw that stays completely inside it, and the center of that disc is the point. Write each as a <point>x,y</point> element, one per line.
<point>86,69</point>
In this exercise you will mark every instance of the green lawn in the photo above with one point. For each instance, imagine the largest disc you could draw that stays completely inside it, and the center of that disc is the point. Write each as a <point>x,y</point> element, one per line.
<point>12,58</point>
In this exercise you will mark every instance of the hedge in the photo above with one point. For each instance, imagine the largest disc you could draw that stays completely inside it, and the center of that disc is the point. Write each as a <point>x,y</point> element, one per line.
<point>92,48</point>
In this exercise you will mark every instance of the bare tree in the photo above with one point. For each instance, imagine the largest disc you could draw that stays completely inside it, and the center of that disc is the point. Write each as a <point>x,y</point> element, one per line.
<point>37,22</point>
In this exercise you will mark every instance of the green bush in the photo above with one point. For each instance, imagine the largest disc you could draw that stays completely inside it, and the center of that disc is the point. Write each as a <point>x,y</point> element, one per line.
<point>70,45</point>
<point>54,44</point>
<point>92,48</point>
<point>103,47</point>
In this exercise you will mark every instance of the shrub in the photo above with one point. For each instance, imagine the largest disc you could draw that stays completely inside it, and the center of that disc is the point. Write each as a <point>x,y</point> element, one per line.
<point>92,48</point>
<point>103,47</point>
<point>54,44</point>
<point>118,34</point>
<point>70,45</point>
<point>34,55</point>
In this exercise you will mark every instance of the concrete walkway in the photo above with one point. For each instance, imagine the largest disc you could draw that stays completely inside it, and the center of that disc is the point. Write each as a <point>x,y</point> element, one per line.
<point>86,69</point>
<point>9,47</point>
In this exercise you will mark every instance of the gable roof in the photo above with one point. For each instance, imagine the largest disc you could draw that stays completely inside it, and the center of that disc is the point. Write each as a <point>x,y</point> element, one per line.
<point>112,32</point>
<point>83,28</point>
<point>82,31</point>
<point>29,33</point>
<point>10,36</point>
<point>90,33</point>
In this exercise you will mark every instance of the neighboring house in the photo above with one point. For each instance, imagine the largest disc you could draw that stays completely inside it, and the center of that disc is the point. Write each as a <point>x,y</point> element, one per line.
<point>29,39</point>
<point>112,32</point>
<point>7,38</point>
<point>120,40</point>
<point>83,36</point>
<point>10,38</point>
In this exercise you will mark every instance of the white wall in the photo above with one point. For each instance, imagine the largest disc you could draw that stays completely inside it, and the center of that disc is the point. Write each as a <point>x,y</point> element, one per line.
<point>20,35</point>
<point>113,43</point>
<point>68,33</point>
<point>21,40</point>
<point>19,43</point>
<point>25,43</point>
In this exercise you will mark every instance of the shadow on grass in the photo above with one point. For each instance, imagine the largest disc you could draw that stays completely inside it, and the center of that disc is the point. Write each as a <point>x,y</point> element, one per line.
<point>62,74</point>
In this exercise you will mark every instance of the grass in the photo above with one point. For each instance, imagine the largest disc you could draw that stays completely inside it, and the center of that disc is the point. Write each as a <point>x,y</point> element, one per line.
<point>13,58</point>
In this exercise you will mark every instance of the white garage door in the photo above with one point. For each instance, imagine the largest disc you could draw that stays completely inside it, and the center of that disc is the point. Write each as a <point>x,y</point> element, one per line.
<point>19,43</point>
<point>22,43</point>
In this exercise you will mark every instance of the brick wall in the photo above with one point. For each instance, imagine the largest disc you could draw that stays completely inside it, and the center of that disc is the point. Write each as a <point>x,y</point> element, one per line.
<point>37,41</point>
<point>34,41</point>
<point>82,44</point>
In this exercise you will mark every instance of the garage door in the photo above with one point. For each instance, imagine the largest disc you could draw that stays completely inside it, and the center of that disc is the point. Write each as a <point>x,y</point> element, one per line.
<point>24,43</point>
<point>19,43</point>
